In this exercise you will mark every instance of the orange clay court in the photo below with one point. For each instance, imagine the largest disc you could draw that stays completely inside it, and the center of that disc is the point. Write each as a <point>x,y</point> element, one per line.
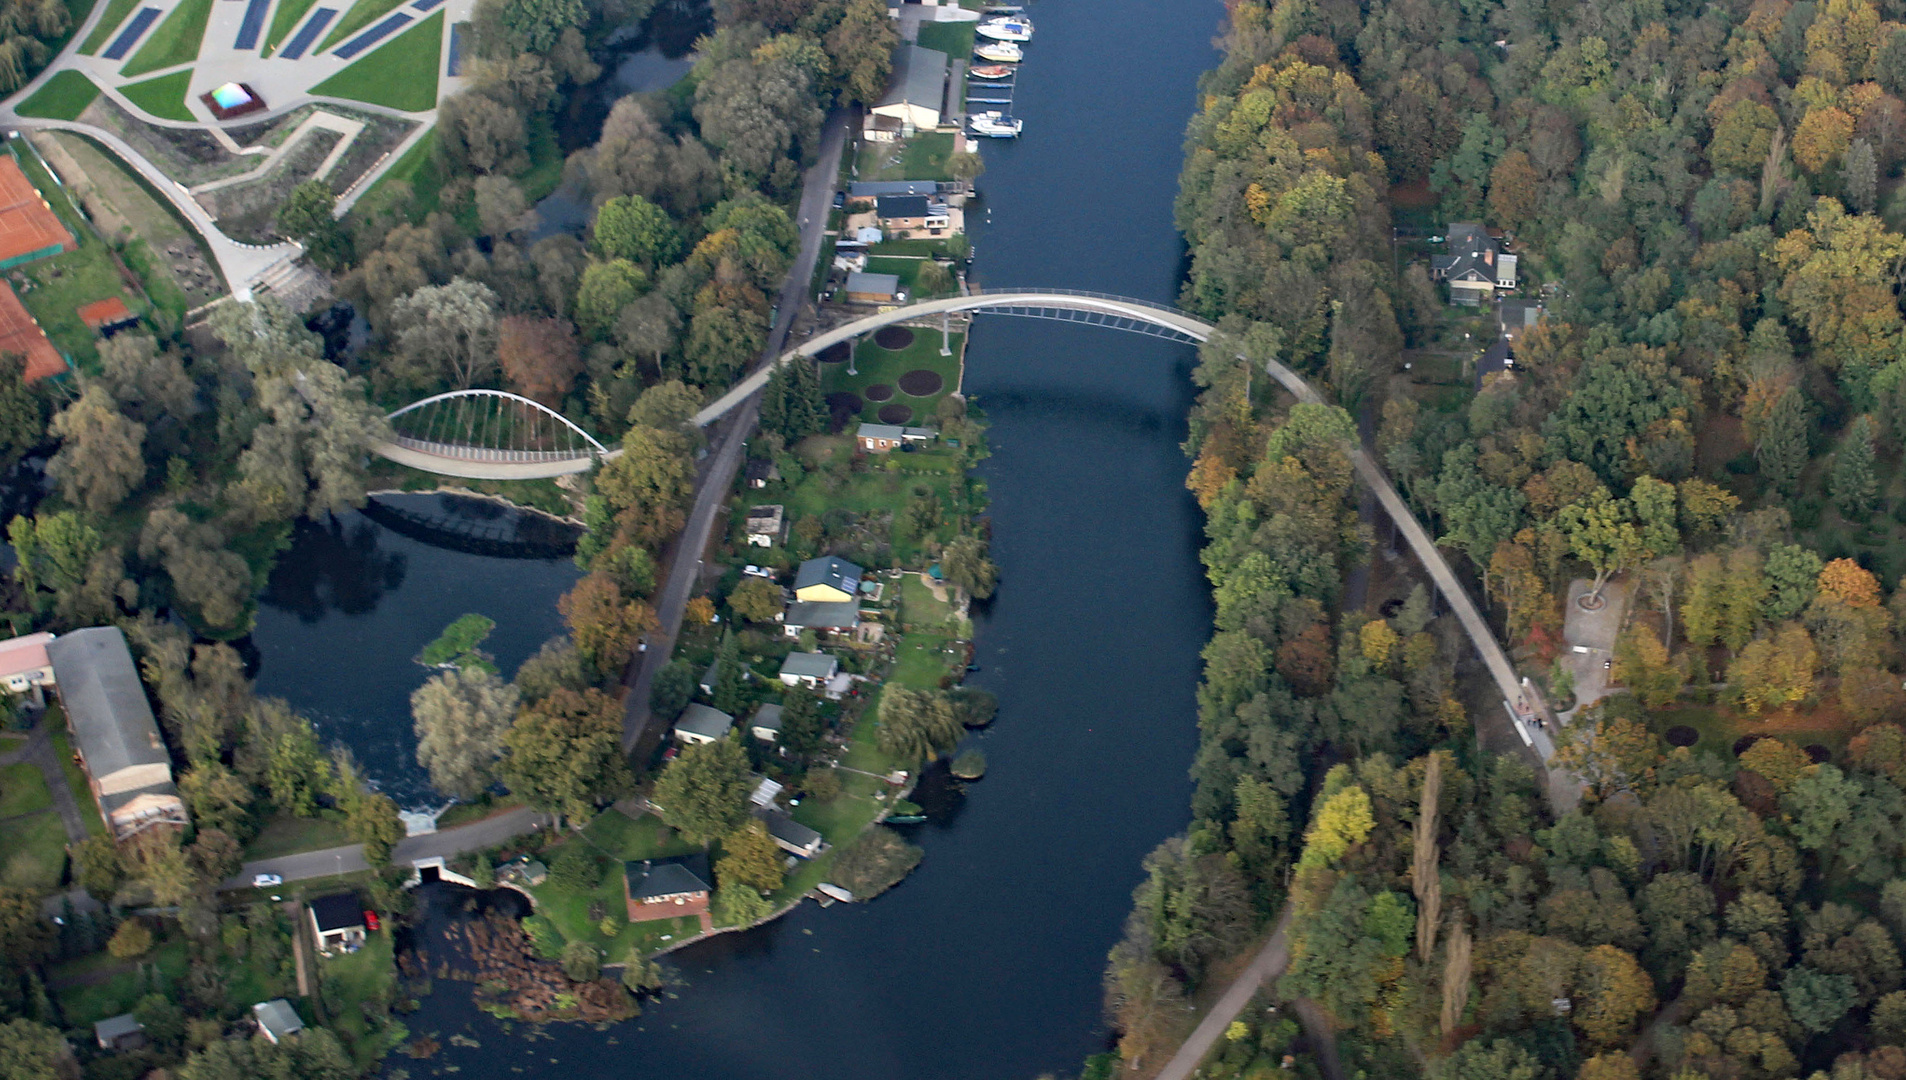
<point>28,227</point>
<point>20,334</point>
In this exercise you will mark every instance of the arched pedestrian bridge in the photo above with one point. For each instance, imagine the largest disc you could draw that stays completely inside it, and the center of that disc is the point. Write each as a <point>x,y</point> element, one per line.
<point>489,435</point>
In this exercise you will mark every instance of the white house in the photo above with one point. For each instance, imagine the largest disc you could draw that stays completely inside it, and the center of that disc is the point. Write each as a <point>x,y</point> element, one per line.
<point>1476,267</point>
<point>338,922</point>
<point>277,1020</point>
<point>766,724</point>
<point>809,669</point>
<point>703,724</point>
<point>127,766</point>
<point>24,664</point>
<point>917,94</point>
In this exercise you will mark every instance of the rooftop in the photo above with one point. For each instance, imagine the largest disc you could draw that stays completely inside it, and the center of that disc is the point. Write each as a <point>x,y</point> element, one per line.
<point>828,570</point>
<point>783,827</point>
<point>705,721</point>
<point>105,703</point>
<point>19,333</point>
<point>25,653</point>
<point>884,284</point>
<point>809,665</point>
<point>823,614</point>
<point>101,314</point>
<point>892,431</point>
<point>339,911</point>
<point>900,206</point>
<point>873,189</point>
<point>919,78</point>
<point>277,1018</point>
<point>653,879</point>
<point>114,1027</point>
<point>767,717</point>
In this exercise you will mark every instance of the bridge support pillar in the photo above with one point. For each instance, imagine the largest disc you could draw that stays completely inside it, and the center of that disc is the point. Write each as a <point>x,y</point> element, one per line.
<point>853,354</point>
<point>946,332</point>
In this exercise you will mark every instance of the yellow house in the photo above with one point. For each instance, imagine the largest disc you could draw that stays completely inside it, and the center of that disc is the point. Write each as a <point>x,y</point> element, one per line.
<point>828,579</point>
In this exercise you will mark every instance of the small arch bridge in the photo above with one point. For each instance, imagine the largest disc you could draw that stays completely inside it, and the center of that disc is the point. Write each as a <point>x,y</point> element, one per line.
<point>489,435</point>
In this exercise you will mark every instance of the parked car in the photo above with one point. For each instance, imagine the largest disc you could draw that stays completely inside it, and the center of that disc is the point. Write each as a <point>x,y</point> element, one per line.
<point>266,881</point>
<point>840,200</point>
<point>751,570</point>
<point>370,920</point>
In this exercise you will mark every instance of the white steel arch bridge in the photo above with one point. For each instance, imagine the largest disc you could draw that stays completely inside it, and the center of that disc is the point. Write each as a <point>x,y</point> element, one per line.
<point>489,435</point>
<point>1520,699</point>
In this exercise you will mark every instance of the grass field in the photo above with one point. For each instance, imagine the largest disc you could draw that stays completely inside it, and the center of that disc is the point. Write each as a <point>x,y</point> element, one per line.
<point>955,39</point>
<point>351,981</point>
<point>154,225</point>
<point>116,13</point>
<point>63,97</point>
<point>922,157</point>
<point>58,286</point>
<point>875,366</point>
<point>163,97</point>
<point>412,182</point>
<point>362,14</point>
<point>34,852</point>
<point>23,790</point>
<point>75,776</point>
<point>175,41</point>
<point>288,15</point>
<point>82,1005</point>
<point>284,835</point>
<point>401,74</point>
<point>883,488</point>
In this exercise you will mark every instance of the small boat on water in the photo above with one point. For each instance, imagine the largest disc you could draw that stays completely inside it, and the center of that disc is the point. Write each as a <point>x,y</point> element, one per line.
<point>991,71</point>
<point>994,125</point>
<point>999,52</point>
<point>1006,30</point>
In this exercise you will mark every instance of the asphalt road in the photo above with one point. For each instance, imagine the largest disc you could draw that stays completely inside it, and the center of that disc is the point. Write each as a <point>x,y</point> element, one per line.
<point>349,858</point>
<point>728,438</point>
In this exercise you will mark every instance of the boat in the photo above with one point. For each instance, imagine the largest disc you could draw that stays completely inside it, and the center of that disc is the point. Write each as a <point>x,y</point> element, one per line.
<point>1005,30</point>
<point>991,71</point>
<point>994,125</point>
<point>906,812</point>
<point>999,52</point>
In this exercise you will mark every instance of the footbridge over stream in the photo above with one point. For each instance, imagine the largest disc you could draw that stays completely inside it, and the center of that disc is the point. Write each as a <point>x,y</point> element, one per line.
<point>474,435</point>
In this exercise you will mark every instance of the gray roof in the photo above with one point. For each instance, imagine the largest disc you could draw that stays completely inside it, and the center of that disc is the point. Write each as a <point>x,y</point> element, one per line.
<point>713,673</point>
<point>115,1026</point>
<point>767,717</point>
<point>1471,251</point>
<point>667,877</point>
<point>702,720</point>
<point>884,284</point>
<point>892,431</point>
<point>901,206</point>
<point>828,570</point>
<point>809,665</point>
<point>278,1017</point>
<point>873,189</point>
<point>823,614</point>
<point>783,827</point>
<point>105,703</point>
<point>919,78</point>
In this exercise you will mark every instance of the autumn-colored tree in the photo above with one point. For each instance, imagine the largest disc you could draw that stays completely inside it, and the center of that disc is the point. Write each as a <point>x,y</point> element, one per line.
<point>1378,642</point>
<point>1514,189</point>
<point>1870,695</point>
<point>1611,1066</point>
<point>700,611</point>
<point>1209,474</point>
<point>1609,754</point>
<point>564,753</point>
<point>1775,672</point>
<point>748,856</point>
<point>756,600</point>
<point>1615,993</point>
<point>604,623</point>
<point>132,940</point>
<point>1838,284</point>
<point>540,357</point>
<point>1343,821</point>
<point>1849,583</point>
<point>1306,660</point>
<point>1781,762</point>
<point>1642,665</point>
<point>1823,135</point>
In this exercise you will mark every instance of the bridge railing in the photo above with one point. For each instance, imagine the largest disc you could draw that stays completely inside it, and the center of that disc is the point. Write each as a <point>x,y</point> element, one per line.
<point>1133,301</point>
<point>464,452</point>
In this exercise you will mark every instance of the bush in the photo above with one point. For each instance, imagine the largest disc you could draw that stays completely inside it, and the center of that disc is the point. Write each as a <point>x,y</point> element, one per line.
<point>975,707</point>
<point>131,940</point>
<point>483,873</point>
<point>739,905</point>
<point>580,961</point>
<point>544,935</point>
<point>575,868</point>
<point>970,765</point>
<point>823,785</point>
<point>874,862</point>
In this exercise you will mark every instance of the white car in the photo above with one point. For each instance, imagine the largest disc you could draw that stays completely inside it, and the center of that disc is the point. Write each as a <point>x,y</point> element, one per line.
<point>751,570</point>
<point>266,881</point>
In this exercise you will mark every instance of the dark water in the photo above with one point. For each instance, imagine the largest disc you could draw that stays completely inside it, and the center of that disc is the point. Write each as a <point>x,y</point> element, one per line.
<point>352,602</point>
<point>986,962</point>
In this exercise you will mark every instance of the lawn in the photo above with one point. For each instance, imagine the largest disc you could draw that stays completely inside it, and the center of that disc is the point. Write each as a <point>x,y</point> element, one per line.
<point>875,366</point>
<point>23,790</point>
<point>116,12</point>
<point>62,97</point>
<point>35,852</point>
<point>350,981</point>
<point>75,776</point>
<point>163,97</point>
<point>465,813</point>
<point>286,835</point>
<point>616,839</point>
<point>153,220</point>
<point>57,287</point>
<point>82,1005</point>
<point>401,74</point>
<point>362,14</point>
<point>175,41</point>
<point>412,180</point>
<point>908,271</point>
<point>922,157</point>
<point>922,660</point>
<point>288,15</point>
<point>955,39</point>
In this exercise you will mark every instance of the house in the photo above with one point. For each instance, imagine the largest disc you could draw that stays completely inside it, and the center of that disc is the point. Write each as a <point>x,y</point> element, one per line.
<point>712,676</point>
<point>114,735</point>
<point>759,473</point>
<point>703,724</point>
<point>793,837</point>
<point>667,888</point>
<point>809,669</point>
<point>905,213</point>
<point>882,129</point>
<point>523,870</point>
<point>764,525</point>
<point>766,724</point>
<point>122,1032</point>
<point>829,578</point>
<point>1476,266</point>
<point>1515,316</point>
<point>882,438</point>
<point>107,317</point>
<point>338,922</point>
<point>24,666</point>
<point>917,94</point>
<point>765,792</point>
<point>277,1020</point>
<point>864,288</point>
<point>826,616</point>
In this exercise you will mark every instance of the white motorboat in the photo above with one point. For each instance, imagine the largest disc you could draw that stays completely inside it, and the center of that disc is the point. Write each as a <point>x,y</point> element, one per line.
<point>1005,30</point>
<point>999,52</point>
<point>994,125</point>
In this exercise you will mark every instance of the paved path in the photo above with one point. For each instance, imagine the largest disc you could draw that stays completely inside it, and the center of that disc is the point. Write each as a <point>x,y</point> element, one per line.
<point>719,467</point>
<point>1269,964</point>
<point>39,751</point>
<point>349,858</point>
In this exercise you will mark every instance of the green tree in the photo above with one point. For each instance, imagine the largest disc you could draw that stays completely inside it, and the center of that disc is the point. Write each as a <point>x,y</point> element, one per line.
<point>727,695</point>
<point>100,460</point>
<point>749,857</point>
<point>370,817</point>
<point>30,1051</point>
<point>1602,533</point>
<point>965,564</point>
<point>633,228</point>
<point>1817,999</point>
<point>756,600</point>
<point>461,717</point>
<point>564,753</point>
<point>581,962</point>
<point>801,725</point>
<point>703,793</point>
<point>671,690</point>
<point>1853,484</point>
<point>306,216</point>
<point>917,724</point>
<point>739,905</point>
<point>22,412</point>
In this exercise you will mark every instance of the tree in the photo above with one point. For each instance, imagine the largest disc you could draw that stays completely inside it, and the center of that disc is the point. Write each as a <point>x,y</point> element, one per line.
<point>1816,999</point>
<point>502,208</point>
<point>606,288</point>
<point>306,216</point>
<point>604,624</point>
<point>132,940</point>
<point>1775,672</point>
<point>529,25</point>
<point>539,357</point>
<point>22,416</point>
<point>370,817</point>
<point>756,600</point>
<point>1615,993</point>
<point>206,578</point>
<point>801,725</point>
<point>1514,189</point>
<point>1853,485</point>
<point>1610,754</point>
<point>739,905</point>
<point>564,753</point>
<point>966,166</point>
<point>581,962</point>
<point>100,460</point>
<point>461,717</point>
<point>1823,135</point>
<point>703,793</point>
<point>671,690</point>
<point>760,116</point>
<point>633,228</point>
<point>861,46</point>
<point>650,484</point>
<point>965,564</point>
<point>1497,1060</point>
<point>1781,449</point>
<point>1642,665</point>
<point>749,857</point>
<point>451,329</point>
<point>792,404</point>
<point>1601,532</point>
<point>1860,173</point>
<point>917,724</point>
<point>30,1051</point>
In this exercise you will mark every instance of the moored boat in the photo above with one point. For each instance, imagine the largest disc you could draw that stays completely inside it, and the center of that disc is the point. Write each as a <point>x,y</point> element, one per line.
<point>991,71</point>
<point>994,125</point>
<point>999,52</point>
<point>1005,30</point>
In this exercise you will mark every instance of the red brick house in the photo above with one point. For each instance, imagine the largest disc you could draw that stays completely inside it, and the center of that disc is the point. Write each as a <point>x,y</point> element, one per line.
<point>667,888</point>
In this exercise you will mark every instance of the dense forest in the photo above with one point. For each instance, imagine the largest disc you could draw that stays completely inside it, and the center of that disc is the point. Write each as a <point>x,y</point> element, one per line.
<point>1710,412</point>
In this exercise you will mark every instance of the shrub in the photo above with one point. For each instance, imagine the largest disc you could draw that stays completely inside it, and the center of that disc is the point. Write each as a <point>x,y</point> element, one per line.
<point>131,940</point>
<point>575,868</point>
<point>483,873</point>
<point>874,862</point>
<point>580,961</point>
<point>823,784</point>
<point>544,935</point>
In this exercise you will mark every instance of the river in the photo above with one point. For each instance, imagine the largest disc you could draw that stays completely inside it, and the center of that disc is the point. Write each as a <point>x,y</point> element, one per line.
<point>986,963</point>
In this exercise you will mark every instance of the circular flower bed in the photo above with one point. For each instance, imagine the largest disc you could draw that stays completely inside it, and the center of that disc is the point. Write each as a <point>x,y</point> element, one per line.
<point>893,337</point>
<point>1818,754</point>
<point>877,392</point>
<point>837,353</point>
<point>1683,735</point>
<point>895,414</point>
<point>921,383</point>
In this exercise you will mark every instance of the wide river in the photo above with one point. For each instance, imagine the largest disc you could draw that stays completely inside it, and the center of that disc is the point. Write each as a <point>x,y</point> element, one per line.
<point>985,963</point>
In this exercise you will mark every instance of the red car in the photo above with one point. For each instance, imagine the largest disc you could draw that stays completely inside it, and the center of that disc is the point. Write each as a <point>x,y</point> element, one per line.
<point>370,920</point>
